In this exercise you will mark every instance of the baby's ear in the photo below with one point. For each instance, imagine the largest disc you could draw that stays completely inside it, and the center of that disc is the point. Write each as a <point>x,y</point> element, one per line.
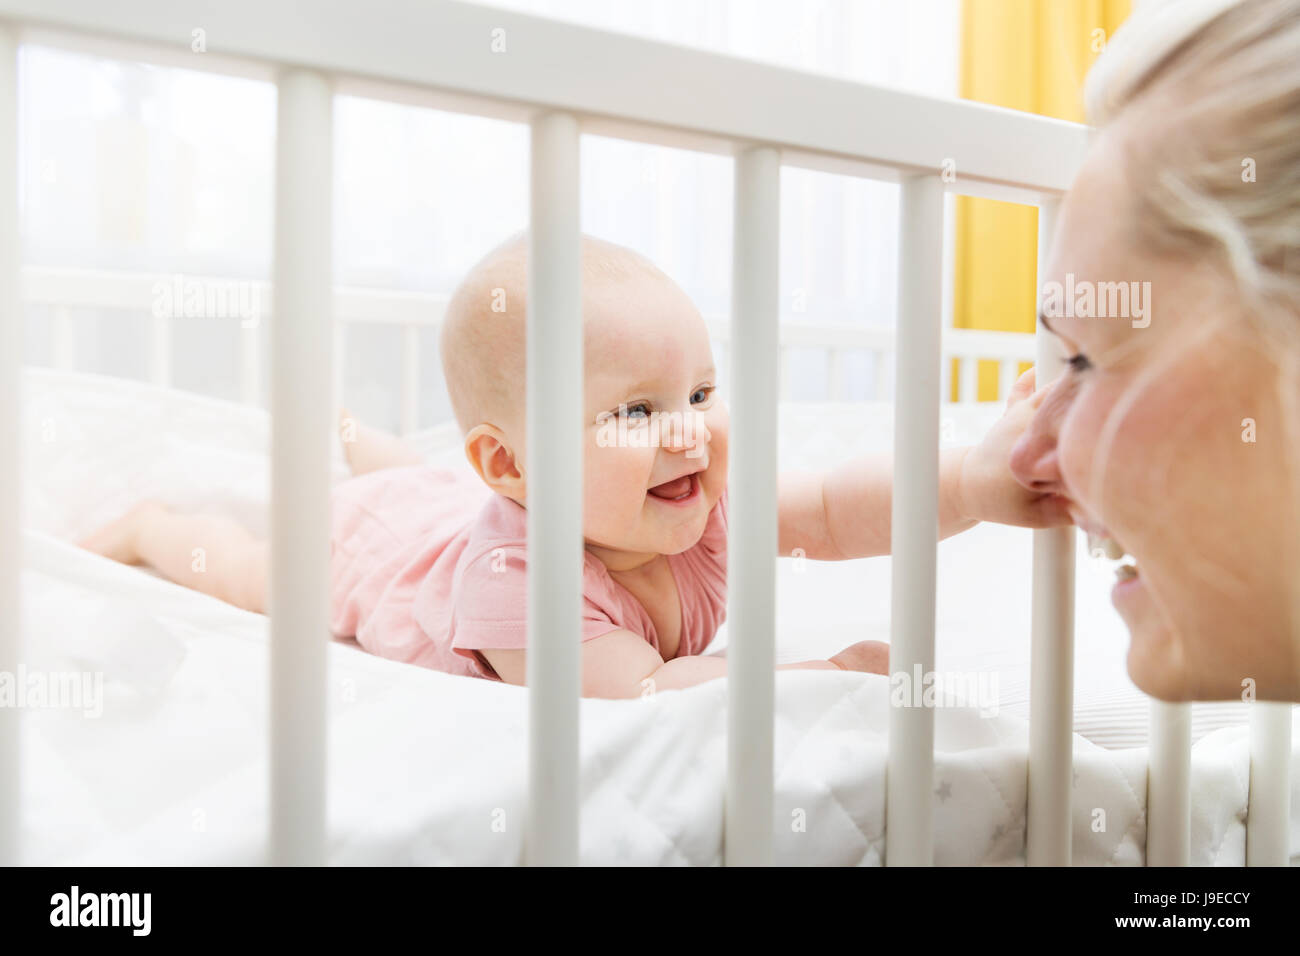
<point>493,459</point>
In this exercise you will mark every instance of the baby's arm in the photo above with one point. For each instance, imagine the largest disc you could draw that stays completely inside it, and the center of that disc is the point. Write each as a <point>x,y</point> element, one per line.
<point>621,664</point>
<point>846,512</point>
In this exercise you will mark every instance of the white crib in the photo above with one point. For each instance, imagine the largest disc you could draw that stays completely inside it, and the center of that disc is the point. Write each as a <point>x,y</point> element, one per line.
<point>490,62</point>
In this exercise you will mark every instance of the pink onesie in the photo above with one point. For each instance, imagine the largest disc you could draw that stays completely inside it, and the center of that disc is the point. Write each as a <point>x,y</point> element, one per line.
<point>427,566</point>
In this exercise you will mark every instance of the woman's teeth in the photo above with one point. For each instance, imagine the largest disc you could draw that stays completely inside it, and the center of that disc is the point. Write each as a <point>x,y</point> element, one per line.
<point>1103,546</point>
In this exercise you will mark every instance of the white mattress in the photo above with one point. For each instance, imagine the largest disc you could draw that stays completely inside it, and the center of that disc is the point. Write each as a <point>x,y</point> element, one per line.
<point>429,768</point>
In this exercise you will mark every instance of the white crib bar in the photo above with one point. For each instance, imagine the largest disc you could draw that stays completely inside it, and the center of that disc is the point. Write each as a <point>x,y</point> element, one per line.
<point>160,351</point>
<point>883,367</point>
<point>969,386</point>
<point>250,366</point>
<point>11,345</point>
<point>1268,836</point>
<point>835,375</point>
<point>752,538</point>
<point>302,415</point>
<point>909,837</point>
<point>1007,377</point>
<point>1169,785</point>
<point>410,419</point>
<point>340,335</point>
<point>555,460</point>
<point>1051,654</point>
<point>63,340</point>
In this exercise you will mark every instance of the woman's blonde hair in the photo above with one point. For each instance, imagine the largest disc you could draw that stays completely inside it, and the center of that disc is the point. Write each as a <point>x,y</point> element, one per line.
<point>1219,166</point>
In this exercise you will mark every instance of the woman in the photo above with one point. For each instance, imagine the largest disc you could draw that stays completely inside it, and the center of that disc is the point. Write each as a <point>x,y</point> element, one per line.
<point>1178,436</point>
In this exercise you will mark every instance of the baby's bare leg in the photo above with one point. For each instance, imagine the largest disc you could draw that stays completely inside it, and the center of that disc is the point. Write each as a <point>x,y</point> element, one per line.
<point>369,449</point>
<point>207,553</point>
<point>215,555</point>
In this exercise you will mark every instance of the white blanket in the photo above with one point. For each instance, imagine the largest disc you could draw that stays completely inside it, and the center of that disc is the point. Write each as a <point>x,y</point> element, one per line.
<point>429,768</point>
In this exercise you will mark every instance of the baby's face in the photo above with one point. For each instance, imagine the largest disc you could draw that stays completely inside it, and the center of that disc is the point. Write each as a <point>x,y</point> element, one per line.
<point>655,440</point>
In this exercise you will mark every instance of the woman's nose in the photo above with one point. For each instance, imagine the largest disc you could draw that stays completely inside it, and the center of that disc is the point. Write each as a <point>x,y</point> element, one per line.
<point>1035,462</point>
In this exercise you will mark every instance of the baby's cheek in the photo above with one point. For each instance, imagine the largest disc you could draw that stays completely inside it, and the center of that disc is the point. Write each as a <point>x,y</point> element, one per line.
<point>719,440</point>
<point>614,485</point>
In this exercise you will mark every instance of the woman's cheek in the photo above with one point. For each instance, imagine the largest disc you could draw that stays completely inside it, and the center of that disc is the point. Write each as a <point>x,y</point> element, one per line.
<point>1092,450</point>
<point>1076,440</point>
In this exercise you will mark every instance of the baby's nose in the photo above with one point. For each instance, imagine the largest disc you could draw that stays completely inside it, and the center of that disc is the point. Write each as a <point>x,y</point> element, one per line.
<point>691,436</point>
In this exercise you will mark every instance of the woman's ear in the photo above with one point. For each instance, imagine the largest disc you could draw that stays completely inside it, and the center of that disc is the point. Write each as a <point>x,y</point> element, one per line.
<point>492,457</point>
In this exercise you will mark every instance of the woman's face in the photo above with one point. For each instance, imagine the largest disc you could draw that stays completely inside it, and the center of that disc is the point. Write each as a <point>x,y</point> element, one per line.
<point>1166,433</point>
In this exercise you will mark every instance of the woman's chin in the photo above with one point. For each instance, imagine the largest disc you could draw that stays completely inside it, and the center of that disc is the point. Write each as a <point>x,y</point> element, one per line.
<point>1156,659</point>
<point>1155,668</point>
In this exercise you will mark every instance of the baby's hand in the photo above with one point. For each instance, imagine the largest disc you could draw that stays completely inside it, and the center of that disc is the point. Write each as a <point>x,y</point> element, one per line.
<point>869,657</point>
<point>987,490</point>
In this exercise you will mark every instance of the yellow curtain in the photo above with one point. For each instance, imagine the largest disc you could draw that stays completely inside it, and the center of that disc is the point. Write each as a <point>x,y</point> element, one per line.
<point>1029,55</point>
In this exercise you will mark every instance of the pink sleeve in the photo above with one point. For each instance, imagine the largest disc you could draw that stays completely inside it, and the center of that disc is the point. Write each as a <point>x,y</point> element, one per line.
<point>491,600</point>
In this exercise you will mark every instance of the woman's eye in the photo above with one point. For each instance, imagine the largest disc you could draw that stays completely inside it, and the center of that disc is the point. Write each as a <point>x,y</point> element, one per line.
<point>701,395</point>
<point>1078,363</point>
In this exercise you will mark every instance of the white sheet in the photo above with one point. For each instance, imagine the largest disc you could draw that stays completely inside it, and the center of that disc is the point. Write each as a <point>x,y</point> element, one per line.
<point>428,768</point>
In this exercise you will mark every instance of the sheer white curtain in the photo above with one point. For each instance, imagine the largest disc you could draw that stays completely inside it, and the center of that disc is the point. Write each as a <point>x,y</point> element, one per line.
<point>137,167</point>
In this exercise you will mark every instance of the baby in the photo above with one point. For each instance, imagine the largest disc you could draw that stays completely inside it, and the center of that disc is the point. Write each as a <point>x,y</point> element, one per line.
<point>428,565</point>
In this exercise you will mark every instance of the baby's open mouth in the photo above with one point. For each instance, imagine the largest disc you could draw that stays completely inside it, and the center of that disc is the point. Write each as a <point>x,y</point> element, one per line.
<point>679,489</point>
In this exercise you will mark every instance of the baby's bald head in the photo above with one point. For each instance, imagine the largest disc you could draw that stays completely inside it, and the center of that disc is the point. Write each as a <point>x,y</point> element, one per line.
<point>483,346</point>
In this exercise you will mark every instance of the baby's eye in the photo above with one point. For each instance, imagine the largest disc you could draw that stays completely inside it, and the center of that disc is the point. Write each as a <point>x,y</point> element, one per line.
<point>701,395</point>
<point>637,411</point>
<point>1079,363</point>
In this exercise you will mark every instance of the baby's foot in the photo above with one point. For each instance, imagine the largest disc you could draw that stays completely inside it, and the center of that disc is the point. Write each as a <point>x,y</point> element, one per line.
<point>119,539</point>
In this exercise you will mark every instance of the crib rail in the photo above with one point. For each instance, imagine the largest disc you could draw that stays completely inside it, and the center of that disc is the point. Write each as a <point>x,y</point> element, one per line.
<point>64,292</point>
<point>443,54</point>
<point>502,64</point>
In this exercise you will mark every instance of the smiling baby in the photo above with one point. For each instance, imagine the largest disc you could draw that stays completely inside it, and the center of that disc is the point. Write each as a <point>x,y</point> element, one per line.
<point>428,565</point>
